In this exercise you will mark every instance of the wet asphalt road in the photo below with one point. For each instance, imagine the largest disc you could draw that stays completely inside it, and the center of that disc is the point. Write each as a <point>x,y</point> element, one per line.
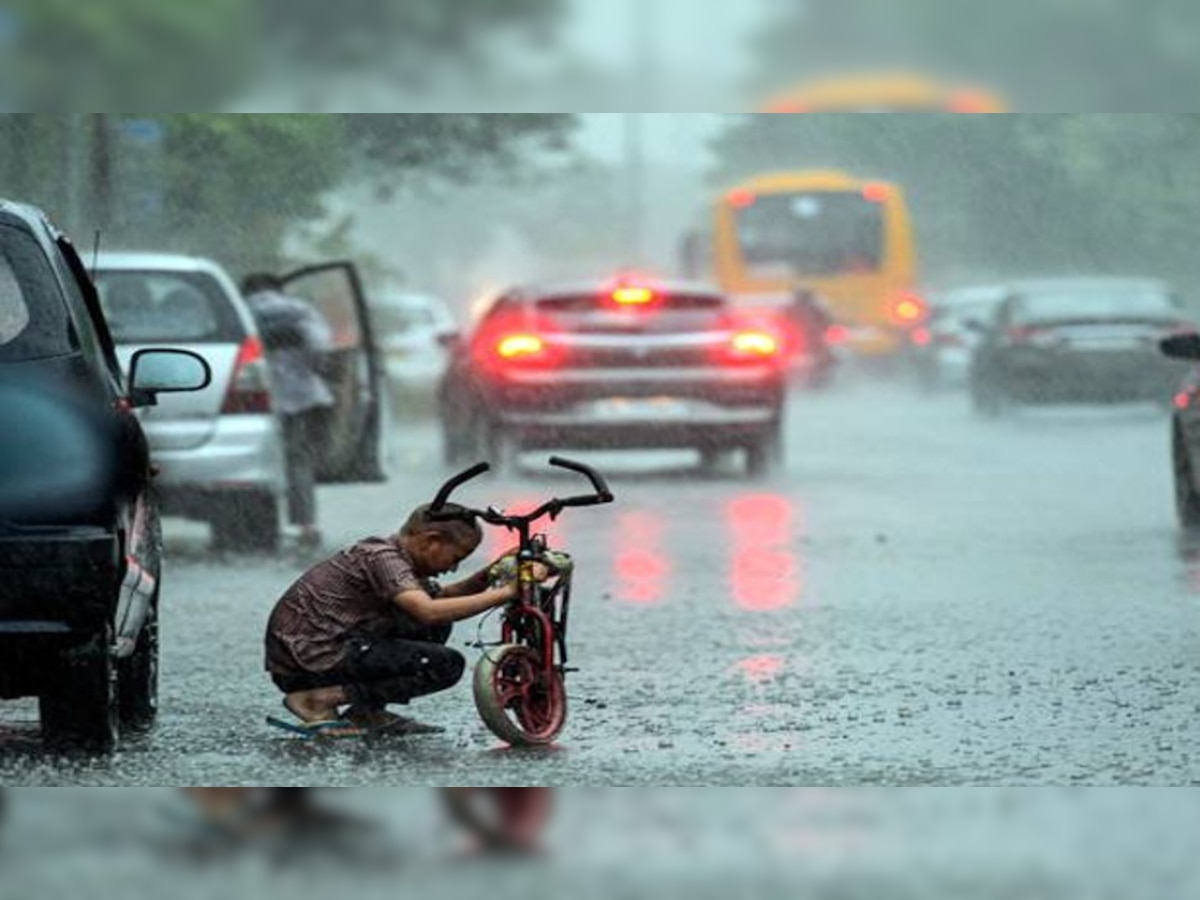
<point>917,598</point>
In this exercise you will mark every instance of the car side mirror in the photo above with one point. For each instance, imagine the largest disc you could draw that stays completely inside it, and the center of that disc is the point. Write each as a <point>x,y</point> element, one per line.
<point>154,372</point>
<point>449,340</point>
<point>975,326</point>
<point>1182,346</point>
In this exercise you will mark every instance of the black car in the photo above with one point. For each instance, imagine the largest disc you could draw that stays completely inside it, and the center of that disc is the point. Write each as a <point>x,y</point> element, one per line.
<point>1185,429</point>
<point>606,364</point>
<point>79,531</point>
<point>1077,340</point>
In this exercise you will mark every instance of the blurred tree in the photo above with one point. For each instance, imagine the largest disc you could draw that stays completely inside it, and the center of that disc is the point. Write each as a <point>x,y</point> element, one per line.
<point>180,54</point>
<point>233,186</point>
<point>136,54</point>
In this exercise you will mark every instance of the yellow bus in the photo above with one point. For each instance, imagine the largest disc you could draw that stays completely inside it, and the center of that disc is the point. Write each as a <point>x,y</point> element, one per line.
<point>849,240</point>
<point>886,92</point>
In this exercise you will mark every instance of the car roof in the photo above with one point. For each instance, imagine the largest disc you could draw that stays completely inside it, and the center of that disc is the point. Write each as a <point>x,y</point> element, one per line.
<point>599,286</point>
<point>1033,285</point>
<point>156,262</point>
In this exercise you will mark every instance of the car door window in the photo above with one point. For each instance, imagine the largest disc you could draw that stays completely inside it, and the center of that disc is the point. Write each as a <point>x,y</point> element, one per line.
<point>33,320</point>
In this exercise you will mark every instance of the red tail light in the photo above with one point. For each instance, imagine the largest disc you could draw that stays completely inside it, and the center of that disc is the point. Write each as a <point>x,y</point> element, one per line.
<point>1183,400</point>
<point>753,346</point>
<point>515,341</point>
<point>250,387</point>
<point>836,335</point>
<point>514,347</point>
<point>876,192</point>
<point>909,309</point>
<point>922,337</point>
<point>741,199</point>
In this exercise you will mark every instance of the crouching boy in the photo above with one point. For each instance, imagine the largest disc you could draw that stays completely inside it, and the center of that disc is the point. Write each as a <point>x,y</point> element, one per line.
<point>368,627</point>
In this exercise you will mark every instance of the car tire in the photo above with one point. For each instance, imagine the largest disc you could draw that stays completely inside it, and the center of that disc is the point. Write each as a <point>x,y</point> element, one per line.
<point>1187,500</point>
<point>137,683</point>
<point>80,709</point>
<point>762,456</point>
<point>246,523</point>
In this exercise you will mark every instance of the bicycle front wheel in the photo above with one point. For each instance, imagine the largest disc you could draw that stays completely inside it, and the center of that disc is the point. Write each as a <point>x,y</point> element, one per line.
<point>518,701</point>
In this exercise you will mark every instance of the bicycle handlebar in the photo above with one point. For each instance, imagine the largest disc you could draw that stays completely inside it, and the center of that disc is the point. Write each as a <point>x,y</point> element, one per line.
<point>552,508</point>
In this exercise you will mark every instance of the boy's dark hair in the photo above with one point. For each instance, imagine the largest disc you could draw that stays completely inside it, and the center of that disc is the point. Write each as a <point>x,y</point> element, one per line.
<point>463,531</point>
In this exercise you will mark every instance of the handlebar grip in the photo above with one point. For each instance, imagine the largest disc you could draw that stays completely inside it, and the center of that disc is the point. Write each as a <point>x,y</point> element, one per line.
<point>461,478</point>
<point>598,482</point>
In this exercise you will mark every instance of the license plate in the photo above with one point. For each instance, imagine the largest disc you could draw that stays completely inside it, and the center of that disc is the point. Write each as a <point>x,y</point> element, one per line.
<point>641,408</point>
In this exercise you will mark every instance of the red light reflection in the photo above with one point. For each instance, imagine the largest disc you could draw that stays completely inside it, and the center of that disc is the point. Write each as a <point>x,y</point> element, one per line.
<point>642,569</point>
<point>764,568</point>
<point>761,669</point>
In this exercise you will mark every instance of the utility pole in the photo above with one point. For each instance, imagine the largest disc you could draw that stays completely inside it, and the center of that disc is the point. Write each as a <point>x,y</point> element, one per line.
<point>643,84</point>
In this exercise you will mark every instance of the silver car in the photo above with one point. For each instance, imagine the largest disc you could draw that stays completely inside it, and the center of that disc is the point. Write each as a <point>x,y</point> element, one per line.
<point>219,451</point>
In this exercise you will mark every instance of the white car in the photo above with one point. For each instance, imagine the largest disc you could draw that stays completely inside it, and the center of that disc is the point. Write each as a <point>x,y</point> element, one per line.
<point>220,451</point>
<point>411,332</point>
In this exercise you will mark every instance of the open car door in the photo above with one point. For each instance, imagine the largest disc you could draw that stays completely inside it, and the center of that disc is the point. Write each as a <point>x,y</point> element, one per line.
<point>350,449</point>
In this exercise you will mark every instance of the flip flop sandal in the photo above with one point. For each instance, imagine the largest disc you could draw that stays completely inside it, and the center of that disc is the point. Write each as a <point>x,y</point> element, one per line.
<point>335,729</point>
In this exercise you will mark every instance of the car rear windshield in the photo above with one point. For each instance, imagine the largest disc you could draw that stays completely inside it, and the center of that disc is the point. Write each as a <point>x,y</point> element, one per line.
<point>174,307</point>
<point>1093,303</point>
<point>599,314</point>
<point>33,317</point>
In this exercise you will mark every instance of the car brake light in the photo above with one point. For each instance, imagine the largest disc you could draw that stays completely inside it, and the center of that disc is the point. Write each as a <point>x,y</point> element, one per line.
<point>633,296</point>
<point>752,346</point>
<point>922,337</point>
<point>250,387</point>
<point>836,334</point>
<point>1183,400</point>
<point>909,309</point>
<point>741,199</point>
<point>876,192</point>
<point>515,346</point>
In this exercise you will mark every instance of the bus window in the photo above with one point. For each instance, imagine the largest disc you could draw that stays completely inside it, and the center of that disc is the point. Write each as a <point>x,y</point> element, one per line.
<point>812,234</point>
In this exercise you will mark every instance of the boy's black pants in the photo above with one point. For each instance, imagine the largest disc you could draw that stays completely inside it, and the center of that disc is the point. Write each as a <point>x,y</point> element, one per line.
<point>377,672</point>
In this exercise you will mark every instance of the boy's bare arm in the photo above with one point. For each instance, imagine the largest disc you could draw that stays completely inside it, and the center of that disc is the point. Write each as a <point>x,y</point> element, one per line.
<point>474,584</point>
<point>424,609</point>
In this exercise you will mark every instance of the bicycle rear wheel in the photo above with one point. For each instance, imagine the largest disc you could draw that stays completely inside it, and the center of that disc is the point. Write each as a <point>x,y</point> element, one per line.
<point>518,701</point>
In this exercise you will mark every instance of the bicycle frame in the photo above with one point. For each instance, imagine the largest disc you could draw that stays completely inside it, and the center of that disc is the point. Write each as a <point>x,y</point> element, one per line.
<point>534,625</point>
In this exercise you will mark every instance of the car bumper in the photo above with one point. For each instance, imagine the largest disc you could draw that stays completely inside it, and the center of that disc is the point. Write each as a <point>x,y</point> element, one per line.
<point>642,423</point>
<point>55,588</point>
<point>244,454</point>
<point>1092,377</point>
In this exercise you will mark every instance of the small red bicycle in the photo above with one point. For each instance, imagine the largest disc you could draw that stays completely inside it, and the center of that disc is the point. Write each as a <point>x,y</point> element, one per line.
<point>519,684</point>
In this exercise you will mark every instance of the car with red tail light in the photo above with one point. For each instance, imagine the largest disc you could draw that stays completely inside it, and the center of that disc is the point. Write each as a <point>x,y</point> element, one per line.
<point>219,452</point>
<point>1185,427</point>
<point>1077,340</point>
<point>942,347</point>
<point>615,364</point>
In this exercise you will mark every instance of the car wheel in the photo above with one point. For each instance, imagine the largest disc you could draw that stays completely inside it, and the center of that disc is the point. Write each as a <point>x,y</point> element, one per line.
<point>1187,500</point>
<point>246,523</point>
<point>138,677</point>
<point>761,456</point>
<point>80,707</point>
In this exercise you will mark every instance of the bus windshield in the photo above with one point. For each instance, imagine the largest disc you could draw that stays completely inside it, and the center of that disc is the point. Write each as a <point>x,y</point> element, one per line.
<point>817,233</point>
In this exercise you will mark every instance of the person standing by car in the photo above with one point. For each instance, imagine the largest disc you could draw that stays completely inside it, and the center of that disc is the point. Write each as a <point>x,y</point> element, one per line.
<point>297,338</point>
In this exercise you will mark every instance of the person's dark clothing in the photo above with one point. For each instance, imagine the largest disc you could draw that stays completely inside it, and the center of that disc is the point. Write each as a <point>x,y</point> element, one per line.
<point>349,595</point>
<point>297,339</point>
<point>302,434</point>
<point>378,672</point>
